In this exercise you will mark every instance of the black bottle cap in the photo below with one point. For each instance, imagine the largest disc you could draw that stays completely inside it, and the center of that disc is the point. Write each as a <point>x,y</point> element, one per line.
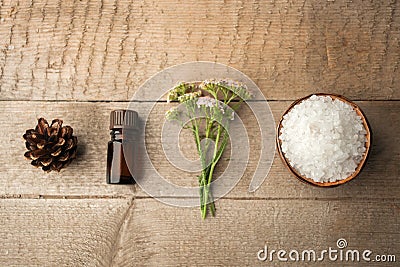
<point>123,119</point>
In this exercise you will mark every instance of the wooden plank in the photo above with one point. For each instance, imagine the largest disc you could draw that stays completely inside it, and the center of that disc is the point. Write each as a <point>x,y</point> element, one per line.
<point>159,234</point>
<point>379,177</point>
<point>111,232</point>
<point>86,176</point>
<point>104,50</point>
<point>80,232</point>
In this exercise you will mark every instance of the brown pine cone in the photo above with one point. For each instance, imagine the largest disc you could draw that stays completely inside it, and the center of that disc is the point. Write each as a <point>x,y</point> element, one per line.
<point>50,147</point>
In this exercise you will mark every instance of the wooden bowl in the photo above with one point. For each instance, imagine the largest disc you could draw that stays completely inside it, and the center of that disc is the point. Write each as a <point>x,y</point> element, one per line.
<point>360,165</point>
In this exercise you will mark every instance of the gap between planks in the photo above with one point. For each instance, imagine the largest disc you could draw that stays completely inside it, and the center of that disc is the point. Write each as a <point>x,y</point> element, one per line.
<point>165,101</point>
<point>132,198</point>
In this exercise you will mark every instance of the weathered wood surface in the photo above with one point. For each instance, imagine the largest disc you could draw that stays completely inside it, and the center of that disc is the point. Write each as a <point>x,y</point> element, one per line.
<point>82,54</point>
<point>379,179</point>
<point>112,232</point>
<point>54,232</point>
<point>103,50</point>
<point>243,227</point>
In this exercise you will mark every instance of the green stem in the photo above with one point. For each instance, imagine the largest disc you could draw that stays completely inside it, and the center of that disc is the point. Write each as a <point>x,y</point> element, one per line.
<point>205,200</point>
<point>207,197</point>
<point>214,162</point>
<point>203,176</point>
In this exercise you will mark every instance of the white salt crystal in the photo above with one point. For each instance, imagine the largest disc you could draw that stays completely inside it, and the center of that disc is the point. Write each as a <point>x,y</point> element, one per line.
<point>323,139</point>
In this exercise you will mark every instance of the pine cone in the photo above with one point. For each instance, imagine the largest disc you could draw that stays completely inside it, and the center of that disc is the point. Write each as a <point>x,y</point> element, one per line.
<point>50,147</point>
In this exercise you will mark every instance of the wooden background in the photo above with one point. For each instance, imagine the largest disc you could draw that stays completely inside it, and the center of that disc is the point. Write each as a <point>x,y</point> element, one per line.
<point>79,59</point>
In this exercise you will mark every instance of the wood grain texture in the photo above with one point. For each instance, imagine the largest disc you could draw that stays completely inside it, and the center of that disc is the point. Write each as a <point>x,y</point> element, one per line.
<point>60,232</point>
<point>79,59</point>
<point>103,50</point>
<point>378,180</point>
<point>145,232</point>
<point>158,234</point>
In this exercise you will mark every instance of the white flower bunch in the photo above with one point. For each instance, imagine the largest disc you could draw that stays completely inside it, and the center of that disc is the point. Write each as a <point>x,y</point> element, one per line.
<point>207,108</point>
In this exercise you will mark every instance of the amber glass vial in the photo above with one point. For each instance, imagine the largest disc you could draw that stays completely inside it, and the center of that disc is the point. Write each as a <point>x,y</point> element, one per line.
<point>122,147</point>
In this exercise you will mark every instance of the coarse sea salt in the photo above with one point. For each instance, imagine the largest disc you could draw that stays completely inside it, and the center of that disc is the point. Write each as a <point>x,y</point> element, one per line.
<point>323,138</point>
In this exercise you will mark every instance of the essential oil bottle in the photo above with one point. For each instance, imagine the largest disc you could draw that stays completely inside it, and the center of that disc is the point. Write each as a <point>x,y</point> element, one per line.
<point>122,147</point>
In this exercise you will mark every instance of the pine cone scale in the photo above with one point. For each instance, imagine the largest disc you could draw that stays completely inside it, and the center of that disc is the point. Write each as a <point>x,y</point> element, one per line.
<point>57,152</point>
<point>46,162</point>
<point>64,158</point>
<point>71,143</point>
<point>66,132</point>
<point>61,142</point>
<point>42,126</point>
<point>35,154</point>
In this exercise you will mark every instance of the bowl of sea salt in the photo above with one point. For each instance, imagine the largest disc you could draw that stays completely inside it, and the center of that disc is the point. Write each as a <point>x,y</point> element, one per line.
<point>324,139</point>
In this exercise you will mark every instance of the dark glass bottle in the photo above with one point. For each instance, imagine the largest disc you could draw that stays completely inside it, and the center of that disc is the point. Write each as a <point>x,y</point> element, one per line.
<point>122,148</point>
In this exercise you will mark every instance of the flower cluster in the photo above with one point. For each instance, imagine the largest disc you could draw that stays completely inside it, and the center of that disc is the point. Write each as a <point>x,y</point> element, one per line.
<point>217,109</point>
<point>236,88</point>
<point>182,92</point>
<point>189,96</point>
<point>172,114</point>
<point>206,101</point>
